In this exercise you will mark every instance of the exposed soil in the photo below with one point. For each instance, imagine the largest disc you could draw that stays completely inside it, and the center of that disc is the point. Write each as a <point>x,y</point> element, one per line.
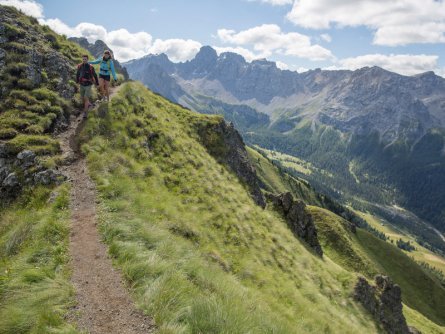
<point>103,302</point>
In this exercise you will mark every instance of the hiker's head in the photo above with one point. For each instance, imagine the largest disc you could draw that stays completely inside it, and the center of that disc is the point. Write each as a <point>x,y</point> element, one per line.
<point>85,59</point>
<point>107,54</point>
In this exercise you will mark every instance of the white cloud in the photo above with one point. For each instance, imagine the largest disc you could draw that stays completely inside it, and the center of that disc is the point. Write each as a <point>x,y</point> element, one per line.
<point>397,22</point>
<point>402,63</point>
<point>268,39</point>
<point>125,45</point>
<point>176,49</point>
<point>29,7</point>
<point>326,38</point>
<point>274,2</point>
<point>247,54</point>
<point>282,66</point>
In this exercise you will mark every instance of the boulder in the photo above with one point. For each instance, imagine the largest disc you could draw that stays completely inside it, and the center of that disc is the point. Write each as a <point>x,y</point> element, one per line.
<point>49,176</point>
<point>26,158</point>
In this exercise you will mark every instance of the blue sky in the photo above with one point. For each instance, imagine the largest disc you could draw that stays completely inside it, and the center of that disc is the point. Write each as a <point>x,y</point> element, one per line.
<point>405,36</point>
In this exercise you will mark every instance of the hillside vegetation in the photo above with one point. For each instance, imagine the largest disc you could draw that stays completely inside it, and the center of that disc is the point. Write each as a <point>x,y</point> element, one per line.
<point>201,256</point>
<point>197,252</point>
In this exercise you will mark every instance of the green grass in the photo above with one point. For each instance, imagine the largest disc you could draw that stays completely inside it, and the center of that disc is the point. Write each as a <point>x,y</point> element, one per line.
<point>364,253</point>
<point>340,244</point>
<point>197,252</point>
<point>273,180</point>
<point>420,290</point>
<point>35,292</point>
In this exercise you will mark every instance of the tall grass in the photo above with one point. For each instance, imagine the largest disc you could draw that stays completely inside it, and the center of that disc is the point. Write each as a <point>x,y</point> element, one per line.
<point>35,292</point>
<point>199,255</point>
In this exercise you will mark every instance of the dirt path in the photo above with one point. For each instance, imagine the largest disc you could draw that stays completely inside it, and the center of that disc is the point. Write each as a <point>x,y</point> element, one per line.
<point>103,303</point>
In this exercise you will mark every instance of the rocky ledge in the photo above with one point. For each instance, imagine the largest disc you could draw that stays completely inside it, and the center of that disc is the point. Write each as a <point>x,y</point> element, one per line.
<point>23,170</point>
<point>297,218</point>
<point>384,302</point>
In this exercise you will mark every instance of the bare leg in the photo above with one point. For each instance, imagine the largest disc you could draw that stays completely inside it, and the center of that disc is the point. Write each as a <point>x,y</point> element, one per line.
<point>86,104</point>
<point>107,90</point>
<point>101,87</point>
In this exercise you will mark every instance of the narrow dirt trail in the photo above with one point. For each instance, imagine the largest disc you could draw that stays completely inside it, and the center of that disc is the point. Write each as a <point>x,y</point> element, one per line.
<point>103,302</point>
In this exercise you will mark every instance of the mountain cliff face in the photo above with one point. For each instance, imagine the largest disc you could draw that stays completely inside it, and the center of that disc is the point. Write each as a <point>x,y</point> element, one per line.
<point>386,129</point>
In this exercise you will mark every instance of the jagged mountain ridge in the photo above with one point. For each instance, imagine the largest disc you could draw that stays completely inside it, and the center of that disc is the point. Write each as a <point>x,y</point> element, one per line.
<point>349,100</point>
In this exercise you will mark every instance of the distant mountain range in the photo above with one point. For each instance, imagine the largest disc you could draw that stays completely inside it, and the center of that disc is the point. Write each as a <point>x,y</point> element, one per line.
<point>380,134</point>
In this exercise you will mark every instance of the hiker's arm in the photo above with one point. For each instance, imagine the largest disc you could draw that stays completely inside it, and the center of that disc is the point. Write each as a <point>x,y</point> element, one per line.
<point>95,77</point>
<point>113,71</point>
<point>94,62</point>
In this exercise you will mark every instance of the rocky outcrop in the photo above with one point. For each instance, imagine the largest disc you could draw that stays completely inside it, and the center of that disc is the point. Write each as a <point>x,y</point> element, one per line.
<point>384,302</point>
<point>297,218</point>
<point>225,144</point>
<point>23,170</point>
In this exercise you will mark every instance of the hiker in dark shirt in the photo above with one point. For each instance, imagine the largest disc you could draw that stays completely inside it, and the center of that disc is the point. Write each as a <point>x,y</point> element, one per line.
<point>86,76</point>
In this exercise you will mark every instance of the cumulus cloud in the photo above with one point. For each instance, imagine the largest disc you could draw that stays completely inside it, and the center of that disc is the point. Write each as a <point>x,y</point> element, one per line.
<point>29,7</point>
<point>268,39</point>
<point>176,49</point>
<point>247,54</point>
<point>405,64</point>
<point>398,22</point>
<point>282,66</point>
<point>125,45</point>
<point>274,2</point>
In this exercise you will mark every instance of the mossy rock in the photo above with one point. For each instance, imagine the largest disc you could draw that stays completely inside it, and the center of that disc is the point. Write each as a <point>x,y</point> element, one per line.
<point>8,133</point>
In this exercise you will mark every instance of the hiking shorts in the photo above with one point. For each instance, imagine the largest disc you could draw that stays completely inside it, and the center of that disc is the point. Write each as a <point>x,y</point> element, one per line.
<point>85,91</point>
<point>105,77</point>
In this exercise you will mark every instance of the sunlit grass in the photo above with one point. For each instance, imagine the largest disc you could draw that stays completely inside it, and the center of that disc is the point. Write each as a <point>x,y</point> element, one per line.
<point>35,292</point>
<point>199,254</point>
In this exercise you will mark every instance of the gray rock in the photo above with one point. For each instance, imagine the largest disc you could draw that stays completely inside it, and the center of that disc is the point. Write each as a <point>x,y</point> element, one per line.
<point>3,150</point>
<point>298,219</point>
<point>384,302</point>
<point>49,176</point>
<point>4,172</point>
<point>11,181</point>
<point>26,158</point>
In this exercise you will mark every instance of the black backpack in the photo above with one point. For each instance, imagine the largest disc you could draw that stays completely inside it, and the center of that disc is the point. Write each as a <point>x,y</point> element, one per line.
<point>86,75</point>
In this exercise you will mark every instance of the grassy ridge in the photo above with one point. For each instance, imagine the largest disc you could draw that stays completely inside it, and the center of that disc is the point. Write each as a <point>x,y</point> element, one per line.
<point>35,292</point>
<point>363,252</point>
<point>200,255</point>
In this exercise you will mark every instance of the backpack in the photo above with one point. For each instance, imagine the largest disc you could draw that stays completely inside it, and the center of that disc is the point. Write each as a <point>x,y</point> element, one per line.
<point>85,77</point>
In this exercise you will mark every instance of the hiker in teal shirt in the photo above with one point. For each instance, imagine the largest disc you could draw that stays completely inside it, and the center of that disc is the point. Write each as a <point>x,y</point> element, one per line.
<point>105,72</point>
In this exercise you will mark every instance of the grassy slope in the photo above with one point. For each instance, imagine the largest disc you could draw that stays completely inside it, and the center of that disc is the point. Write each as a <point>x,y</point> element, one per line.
<point>275,181</point>
<point>365,253</point>
<point>35,292</point>
<point>200,255</point>
<point>393,233</point>
<point>28,111</point>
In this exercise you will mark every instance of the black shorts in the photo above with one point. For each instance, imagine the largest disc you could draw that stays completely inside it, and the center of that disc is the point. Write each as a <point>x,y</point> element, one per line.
<point>105,77</point>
